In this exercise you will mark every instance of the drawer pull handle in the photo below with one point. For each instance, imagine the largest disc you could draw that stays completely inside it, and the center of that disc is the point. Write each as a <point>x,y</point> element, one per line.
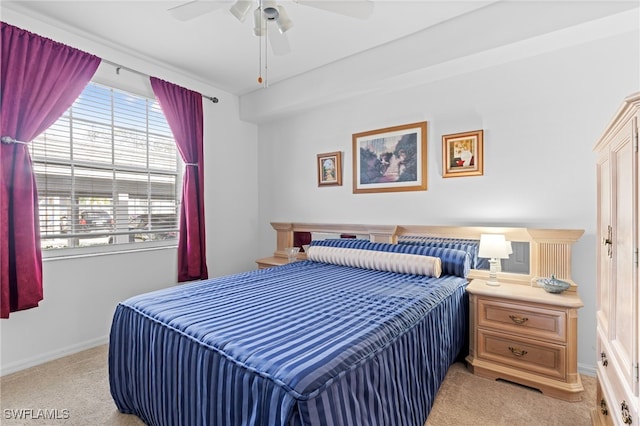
<point>517,352</point>
<point>603,407</point>
<point>518,320</point>
<point>626,417</point>
<point>604,359</point>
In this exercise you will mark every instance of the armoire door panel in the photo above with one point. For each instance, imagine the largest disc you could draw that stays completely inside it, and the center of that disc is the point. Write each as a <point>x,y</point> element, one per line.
<point>623,335</point>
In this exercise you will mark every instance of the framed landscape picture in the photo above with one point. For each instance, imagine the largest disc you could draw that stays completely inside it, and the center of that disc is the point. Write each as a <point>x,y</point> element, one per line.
<point>330,169</point>
<point>392,159</point>
<point>463,154</point>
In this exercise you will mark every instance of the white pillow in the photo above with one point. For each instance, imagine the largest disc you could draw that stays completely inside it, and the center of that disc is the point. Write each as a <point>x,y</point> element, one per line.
<point>379,260</point>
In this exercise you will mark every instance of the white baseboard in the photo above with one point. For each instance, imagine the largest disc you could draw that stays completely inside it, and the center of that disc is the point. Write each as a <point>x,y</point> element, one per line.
<point>587,369</point>
<point>50,356</point>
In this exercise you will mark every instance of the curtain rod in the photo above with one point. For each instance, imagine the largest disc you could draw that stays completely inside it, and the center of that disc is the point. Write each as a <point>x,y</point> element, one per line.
<point>120,67</point>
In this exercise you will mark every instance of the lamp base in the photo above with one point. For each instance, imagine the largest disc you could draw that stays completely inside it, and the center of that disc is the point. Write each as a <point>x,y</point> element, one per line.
<point>492,273</point>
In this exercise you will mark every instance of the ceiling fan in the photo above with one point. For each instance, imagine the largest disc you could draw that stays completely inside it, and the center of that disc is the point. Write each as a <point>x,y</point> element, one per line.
<point>270,18</point>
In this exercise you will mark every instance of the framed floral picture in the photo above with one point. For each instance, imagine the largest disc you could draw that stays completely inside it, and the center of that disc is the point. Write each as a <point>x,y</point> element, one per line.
<point>392,159</point>
<point>463,154</point>
<point>330,168</point>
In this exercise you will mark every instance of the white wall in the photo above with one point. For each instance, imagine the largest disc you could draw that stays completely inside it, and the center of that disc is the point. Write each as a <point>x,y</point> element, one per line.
<point>80,294</point>
<point>541,116</point>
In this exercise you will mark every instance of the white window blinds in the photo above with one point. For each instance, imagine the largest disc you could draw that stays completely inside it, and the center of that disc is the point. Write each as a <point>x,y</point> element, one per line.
<point>108,172</point>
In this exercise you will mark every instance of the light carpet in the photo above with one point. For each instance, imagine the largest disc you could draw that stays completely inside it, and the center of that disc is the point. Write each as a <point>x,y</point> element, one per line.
<point>75,391</point>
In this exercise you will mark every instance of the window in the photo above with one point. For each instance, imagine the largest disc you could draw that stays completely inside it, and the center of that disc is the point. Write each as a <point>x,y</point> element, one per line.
<point>108,173</point>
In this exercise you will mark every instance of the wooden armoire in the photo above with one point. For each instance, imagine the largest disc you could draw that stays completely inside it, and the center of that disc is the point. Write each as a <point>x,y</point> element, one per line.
<point>618,296</point>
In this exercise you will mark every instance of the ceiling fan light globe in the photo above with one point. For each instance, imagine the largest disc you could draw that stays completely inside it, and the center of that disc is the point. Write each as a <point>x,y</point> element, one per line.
<point>259,24</point>
<point>240,9</point>
<point>283,21</point>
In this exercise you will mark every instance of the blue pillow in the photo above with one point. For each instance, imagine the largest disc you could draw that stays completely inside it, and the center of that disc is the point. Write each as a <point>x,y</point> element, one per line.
<point>470,246</point>
<point>342,242</point>
<point>454,262</point>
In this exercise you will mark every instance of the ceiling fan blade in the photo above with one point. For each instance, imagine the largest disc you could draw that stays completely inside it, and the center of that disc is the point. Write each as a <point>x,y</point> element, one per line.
<point>360,9</point>
<point>279,42</point>
<point>193,9</point>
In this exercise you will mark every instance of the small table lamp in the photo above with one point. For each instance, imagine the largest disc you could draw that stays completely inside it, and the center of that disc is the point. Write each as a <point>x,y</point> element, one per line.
<point>493,247</point>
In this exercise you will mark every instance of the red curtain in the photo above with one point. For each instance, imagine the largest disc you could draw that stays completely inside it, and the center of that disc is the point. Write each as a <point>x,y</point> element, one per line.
<point>40,80</point>
<point>183,110</point>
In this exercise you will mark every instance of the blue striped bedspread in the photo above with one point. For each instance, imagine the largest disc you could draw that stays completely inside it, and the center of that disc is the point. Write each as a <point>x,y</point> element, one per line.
<point>306,343</point>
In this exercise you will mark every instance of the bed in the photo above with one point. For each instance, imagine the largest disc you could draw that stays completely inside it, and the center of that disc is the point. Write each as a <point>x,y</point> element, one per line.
<point>359,333</point>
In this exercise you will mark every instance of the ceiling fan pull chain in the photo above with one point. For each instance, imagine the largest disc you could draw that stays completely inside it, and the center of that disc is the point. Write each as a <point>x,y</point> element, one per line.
<point>259,60</point>
<point>261,29</point>
<point>266,59</point>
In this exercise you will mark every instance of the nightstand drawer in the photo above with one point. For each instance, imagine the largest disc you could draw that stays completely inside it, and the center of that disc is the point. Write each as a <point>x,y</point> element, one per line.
<point>542,358</point>
<point>535,322</point>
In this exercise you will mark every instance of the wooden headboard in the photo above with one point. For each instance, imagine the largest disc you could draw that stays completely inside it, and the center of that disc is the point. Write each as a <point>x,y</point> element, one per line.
<point>550,249</point>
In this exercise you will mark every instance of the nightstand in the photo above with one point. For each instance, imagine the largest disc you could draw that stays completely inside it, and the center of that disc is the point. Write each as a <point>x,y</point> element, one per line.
<point>268,262</point>
<point>525,335</point>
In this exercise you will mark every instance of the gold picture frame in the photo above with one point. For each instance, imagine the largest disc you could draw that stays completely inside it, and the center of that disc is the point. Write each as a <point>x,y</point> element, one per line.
<point>392,159</point>
<point>330,168</point>
<point>463,154</point>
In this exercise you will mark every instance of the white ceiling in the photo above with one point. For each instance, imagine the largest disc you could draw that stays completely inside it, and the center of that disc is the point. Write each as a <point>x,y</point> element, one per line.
<point>218,49</point>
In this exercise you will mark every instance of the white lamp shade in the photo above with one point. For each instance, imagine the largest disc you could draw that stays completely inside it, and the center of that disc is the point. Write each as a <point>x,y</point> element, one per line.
<point>493,246</point>
<point>283,21</point>
<point>241,8</point>
<point>259,24</point>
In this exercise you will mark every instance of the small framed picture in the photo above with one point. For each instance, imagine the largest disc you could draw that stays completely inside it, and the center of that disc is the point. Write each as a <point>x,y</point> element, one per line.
<point>393,159</point>
<point>463,154</point>
<point>330,169</point>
